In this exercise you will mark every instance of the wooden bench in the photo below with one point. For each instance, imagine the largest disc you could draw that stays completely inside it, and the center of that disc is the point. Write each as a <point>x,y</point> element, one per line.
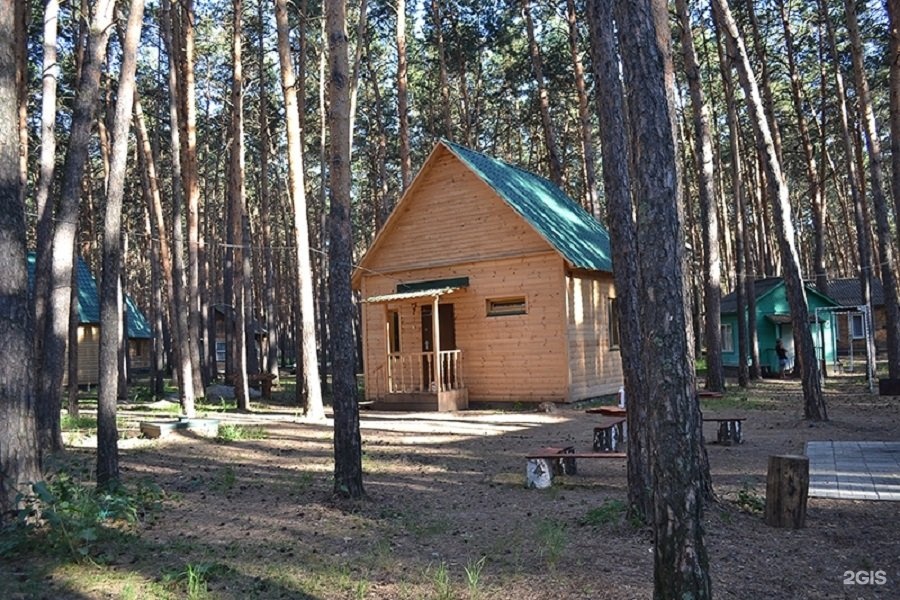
<point>544,463</point>
<point>609,411</point>
<point>609,434</point>
<point>263,381</point>
<point>730,429</point>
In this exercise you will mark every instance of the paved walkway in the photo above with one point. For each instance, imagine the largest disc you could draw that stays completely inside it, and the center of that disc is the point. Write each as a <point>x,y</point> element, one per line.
<point>854,470</point>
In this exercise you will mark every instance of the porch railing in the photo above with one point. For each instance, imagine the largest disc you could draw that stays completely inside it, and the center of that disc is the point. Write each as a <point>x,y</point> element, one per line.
<point>415,371</point>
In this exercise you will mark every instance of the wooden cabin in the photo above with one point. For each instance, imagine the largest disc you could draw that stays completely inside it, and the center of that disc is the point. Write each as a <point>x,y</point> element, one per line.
<point>773,322</point>
<point>850,325</point>
<point>139,332</point>
<point>487,284</point>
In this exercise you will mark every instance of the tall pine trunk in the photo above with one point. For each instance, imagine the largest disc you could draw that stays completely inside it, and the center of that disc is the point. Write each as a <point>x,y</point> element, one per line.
<point>191,183</point>
<point>47,169</point>
<point>347,440</point>
<point>882,220</point>
<point>611,108</point>
<point>236,216</point>
<point>289,85</point>
<point>712,268</point>
<point>553,159</point>
<point>591,199</point>
<point>110,306</point>
<point>56,329</point>
<point>814,403</point>
<point>20,459</point>
<point>181,331</point>
<point>402,95</point>
<point>681,565</point>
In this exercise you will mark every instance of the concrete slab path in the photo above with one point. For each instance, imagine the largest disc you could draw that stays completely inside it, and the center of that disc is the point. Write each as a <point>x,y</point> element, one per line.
<point>854,470</point>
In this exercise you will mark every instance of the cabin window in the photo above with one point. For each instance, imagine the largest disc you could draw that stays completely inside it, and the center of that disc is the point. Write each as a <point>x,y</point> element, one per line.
<point>857,329</point>
<point>613,317</point>
<point>727,337</point>
<point>220,351</point>
<point>394,331</point>
<point>500,307</point>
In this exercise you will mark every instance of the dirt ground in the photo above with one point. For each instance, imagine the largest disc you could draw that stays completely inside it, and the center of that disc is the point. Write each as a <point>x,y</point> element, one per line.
<point>256,518</point>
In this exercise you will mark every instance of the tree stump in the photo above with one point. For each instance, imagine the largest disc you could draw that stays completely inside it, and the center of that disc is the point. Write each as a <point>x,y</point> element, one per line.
<point>787,487</point>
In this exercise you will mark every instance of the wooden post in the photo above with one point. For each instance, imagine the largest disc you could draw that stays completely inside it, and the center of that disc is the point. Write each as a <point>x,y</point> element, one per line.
<point>787,487</point>
<point>436,325</point>
<point>387,344</point>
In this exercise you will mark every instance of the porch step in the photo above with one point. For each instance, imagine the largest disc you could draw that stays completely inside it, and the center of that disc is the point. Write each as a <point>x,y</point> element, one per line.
<point>449,400</point>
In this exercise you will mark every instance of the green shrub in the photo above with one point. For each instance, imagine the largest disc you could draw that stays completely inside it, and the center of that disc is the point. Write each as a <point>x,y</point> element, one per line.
<point>68,517</point>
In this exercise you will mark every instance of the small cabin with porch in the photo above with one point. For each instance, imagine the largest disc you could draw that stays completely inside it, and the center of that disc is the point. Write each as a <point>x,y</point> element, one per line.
<point>773,323</point>
<point>487,283</point>
<point>139,335</point>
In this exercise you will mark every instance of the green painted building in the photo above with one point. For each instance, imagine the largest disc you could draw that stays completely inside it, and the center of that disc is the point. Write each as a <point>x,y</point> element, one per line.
<point>773,322</point>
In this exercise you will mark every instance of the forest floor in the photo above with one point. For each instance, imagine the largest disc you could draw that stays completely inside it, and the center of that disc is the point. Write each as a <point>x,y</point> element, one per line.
<point>448,516</point>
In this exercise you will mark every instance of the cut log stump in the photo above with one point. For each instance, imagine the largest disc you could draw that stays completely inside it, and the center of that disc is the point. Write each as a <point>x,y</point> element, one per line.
<point>787,488</point>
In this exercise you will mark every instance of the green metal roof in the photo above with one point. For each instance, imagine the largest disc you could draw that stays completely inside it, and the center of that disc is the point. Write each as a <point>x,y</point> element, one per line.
<point>574,233</point>
<point>89,301</point>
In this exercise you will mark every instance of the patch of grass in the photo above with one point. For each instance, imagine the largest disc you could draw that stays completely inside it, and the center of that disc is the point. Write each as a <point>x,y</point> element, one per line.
<point>224,479</point>
<point>221,406</point>
<point>611,511</point>
<point>738,400</point>
<point>440,579</point>
<point>193,579</point>
<point>552,536</point>
<point>750,502</point>
<point>78,424</point>
<point>229,432</point>
<point>473,576</point>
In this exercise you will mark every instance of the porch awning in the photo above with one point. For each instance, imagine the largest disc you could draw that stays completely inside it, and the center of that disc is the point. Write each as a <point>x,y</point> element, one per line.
<point>431,293</point>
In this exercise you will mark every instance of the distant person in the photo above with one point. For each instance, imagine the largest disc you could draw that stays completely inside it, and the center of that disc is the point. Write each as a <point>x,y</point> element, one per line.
<point>782,358</point>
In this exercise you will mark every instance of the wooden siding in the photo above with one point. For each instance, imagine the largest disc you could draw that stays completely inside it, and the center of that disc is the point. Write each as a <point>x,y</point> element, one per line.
<point>451,216</point>
<point>88,356</point>
<point>505,359</point>
<point>594,368</point>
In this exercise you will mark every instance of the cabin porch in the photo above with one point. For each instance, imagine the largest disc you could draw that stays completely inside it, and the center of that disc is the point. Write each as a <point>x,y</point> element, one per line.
<point>430,379</point>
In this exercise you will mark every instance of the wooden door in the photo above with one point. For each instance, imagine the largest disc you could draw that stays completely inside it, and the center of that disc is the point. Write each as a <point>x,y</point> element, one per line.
<point>447,324</point>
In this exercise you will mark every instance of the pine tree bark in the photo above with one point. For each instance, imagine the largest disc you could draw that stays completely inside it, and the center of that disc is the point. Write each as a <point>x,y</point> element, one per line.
<point>817,198</point>
<point>443,78</point>
<point>307,351</point>
<point>893,7</point>
<point>191,182</point>
<point>610,102</point>
<point>180,329</point>
<point>271,357</point>
<point>592,200</point>
<point>712,268</point>
<point>402,97</point>
<point>20,458</point>
<point>110,306</point>
<point>237,201</point>
<point>57,324</point>
<point>744,289</point>
<point>681,566</point>
<point>347,440</point>
<point>882,210</point>
<point>44,229</point>
<point>553,158</point>
<point>814,403</point>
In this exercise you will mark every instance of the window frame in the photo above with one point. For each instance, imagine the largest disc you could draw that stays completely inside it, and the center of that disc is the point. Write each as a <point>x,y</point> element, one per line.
<point>727,341</point>
<point>506,306</point>
<point>857,333</point>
